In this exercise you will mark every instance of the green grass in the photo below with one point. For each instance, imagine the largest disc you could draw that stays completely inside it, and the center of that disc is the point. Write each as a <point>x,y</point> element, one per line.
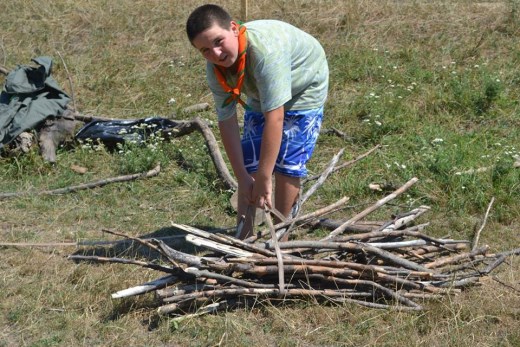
<point>435,83</point>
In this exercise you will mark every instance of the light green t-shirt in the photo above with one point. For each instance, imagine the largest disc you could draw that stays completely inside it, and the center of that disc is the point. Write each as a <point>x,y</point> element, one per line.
<point>284,66</point>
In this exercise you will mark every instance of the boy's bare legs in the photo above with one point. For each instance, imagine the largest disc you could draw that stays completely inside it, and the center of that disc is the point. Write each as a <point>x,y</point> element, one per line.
<point>245,210</point>
<point>286,193</point>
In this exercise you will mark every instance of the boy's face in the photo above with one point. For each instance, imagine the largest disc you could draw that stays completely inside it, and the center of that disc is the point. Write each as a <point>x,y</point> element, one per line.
<point>218,45</point>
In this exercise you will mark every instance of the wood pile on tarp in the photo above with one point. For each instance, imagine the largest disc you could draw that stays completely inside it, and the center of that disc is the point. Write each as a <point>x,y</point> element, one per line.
<point>391,264</point>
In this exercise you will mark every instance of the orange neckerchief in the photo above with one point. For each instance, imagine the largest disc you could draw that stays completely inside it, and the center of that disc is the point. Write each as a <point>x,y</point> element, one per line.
<point>241,67</point>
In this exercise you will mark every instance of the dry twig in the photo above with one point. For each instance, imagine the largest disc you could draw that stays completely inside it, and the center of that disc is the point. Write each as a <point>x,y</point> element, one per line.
<point>477,234</point>
<point>95,184</point>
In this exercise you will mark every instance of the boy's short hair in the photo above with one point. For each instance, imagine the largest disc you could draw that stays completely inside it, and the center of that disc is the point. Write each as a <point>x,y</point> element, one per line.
<point>203,17</point>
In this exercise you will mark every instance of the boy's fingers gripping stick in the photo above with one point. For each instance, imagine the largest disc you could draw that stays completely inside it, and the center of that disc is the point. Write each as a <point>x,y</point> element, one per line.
<point>246,223</point>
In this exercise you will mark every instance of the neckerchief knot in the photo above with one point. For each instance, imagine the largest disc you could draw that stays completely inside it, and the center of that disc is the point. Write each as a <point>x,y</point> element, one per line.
<point>235,92</point>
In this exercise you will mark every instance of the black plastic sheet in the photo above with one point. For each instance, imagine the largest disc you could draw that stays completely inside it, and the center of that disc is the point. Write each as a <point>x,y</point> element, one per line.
<point>114,132</point>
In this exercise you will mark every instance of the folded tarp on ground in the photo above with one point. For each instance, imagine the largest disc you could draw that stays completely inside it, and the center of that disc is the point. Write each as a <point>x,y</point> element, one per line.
<point>30,95</point>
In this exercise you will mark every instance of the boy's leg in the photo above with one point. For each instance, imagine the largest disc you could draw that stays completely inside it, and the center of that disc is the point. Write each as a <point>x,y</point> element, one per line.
<point>287,190</point>
<point>251,142</point>
<point>245,215</point>
<point>301,130</point>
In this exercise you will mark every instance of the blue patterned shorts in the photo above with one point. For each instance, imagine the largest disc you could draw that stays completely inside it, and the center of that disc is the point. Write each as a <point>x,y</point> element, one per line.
<point>300,132</point>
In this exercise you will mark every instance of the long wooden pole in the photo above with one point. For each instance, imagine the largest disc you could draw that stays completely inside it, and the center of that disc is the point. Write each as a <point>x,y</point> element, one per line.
<point>243,10</point>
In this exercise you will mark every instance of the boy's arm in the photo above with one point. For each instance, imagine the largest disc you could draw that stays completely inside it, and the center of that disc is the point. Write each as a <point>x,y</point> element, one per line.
<point>270,147</point>
<point>230,134</point>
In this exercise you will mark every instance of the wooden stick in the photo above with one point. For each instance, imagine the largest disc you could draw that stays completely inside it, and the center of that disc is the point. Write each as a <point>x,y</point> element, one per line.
<point>215,154</point>
<point>505,284</point>
<point>161,248</point>
<point>346,164</point>
<point>3,70</point>
<point>146,287</point>
<point>363,269</point>
<point>177,256</point>
<point>124,261</point>
<point>219,293</point>
<point>90,117</point>
<point>274,240</point>
<point>90,185</point>
<point>425,250</point>
<point>401,221</point>
<point>395,233</point>
<point>306,217</point>
<point>163,310</point>
<point>184,128</point>
<point>509,253</point>
<point>243,10</point>
<point>477,234</point>
<point>450,260</point>
<point>226,279</point>
<point>183,289</point>
<point>215,246</point>
<point>370,209</point>
<point>337,132</point>
<point>175,238</point>
<point>181,123</point>
<point>499,260</point>
<point>355,247</point>
<point>292,270</point>
<point>358,227</point>
<point>471,264</point>
<point>321,179</point>
<point>43,244</point>
<point>411,295</point>
<point>316,262</point>
<point>376,286</point>
<point>410,243</point>
<point>136,239</point>
<point>403,282</point>
<point>196,108</point>
<point>231,241</point>
<point>456,283</point>
<point>376,305</point>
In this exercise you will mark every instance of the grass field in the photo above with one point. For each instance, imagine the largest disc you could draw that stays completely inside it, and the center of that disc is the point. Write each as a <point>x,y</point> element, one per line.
<point>436,83</point>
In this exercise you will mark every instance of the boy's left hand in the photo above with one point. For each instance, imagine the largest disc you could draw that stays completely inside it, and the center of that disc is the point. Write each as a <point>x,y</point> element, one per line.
<point>262,191</point>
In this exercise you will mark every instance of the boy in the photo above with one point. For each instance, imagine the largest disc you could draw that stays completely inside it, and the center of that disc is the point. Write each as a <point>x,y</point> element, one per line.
<point>283,72</point>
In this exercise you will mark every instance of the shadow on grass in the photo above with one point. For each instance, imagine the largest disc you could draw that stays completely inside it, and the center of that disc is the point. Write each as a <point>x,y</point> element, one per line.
<point>127,248</point>
<point>131,249</point>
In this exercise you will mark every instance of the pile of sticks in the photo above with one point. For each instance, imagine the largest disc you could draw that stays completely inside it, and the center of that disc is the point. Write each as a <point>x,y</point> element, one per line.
<point>391,264</point>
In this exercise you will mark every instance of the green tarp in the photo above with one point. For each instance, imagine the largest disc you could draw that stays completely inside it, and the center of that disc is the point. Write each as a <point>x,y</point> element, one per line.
<point>29,96</point>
